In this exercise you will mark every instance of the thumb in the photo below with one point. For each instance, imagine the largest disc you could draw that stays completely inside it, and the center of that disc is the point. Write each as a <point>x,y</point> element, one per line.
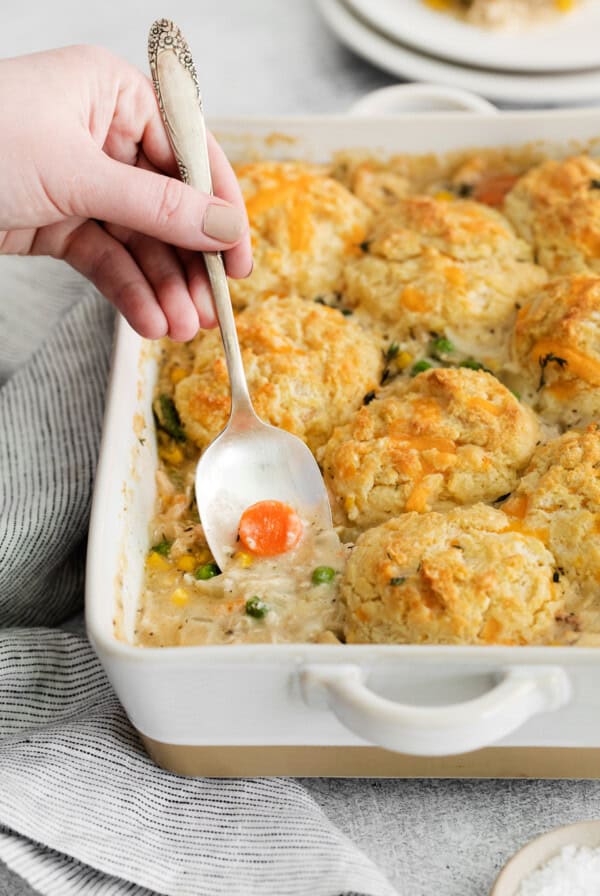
<point>158,206</point>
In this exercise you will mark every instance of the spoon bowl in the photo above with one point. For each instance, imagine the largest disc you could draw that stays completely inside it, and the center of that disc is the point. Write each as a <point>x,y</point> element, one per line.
<point>250,461</point>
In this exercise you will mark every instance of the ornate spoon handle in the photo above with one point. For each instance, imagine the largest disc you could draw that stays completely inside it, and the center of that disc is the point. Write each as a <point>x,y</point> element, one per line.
<point>178,94</point>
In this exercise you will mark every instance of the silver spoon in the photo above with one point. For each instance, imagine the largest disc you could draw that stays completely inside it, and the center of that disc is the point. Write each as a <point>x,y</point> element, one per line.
<point>250,460</point>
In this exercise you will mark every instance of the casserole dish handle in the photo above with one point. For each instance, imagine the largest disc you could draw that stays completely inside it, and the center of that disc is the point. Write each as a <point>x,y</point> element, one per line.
<point>520,693</point>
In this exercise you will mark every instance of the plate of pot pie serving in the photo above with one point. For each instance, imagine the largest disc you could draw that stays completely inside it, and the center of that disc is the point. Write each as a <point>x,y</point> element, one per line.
<point>517,52</point>
<point>507,35</point>
<point>431,329</point>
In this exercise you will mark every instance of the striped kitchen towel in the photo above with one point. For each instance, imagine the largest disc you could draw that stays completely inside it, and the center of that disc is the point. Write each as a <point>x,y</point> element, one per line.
<point>82,808</point>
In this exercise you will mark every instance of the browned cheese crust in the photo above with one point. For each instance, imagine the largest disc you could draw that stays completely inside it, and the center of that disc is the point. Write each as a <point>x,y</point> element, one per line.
<point>454,267</point>
<point>463,577</point>
<point>559,498</point>
<point>446,437</point>
<point>308,368</point>
<point>304,227</point>
<point>556,208</point>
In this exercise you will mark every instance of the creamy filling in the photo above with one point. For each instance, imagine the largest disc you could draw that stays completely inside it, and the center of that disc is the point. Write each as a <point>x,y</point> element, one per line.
<point>292,597</point>
<point>505,13</point>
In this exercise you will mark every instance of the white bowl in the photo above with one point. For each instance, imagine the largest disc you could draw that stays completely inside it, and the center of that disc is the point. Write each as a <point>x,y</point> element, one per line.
<point>539,851</point>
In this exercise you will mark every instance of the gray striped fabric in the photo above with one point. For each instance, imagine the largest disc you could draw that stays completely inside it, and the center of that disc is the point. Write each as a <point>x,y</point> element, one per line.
<point>82,808</point>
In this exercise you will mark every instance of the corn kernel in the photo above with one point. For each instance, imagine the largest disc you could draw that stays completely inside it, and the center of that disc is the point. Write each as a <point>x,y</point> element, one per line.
<point>187,563</point>
<point>445,195</point>
<point>180,597</point>
<point>157,562</point>
<point>350,505</point>
<point>245,560</point>
<point>403,359</point>
<point>564,5</point>
<point>438,4</point>
<point>172,456</point>
<point>202,555</point>
<point>177,375</point>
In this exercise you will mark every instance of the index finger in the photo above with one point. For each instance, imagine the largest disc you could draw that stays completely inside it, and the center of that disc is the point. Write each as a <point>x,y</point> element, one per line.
<point>238,260</point>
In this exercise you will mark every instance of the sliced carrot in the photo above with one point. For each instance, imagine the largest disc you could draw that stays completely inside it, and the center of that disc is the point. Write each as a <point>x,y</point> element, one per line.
<point>269,528</point>
<point>492,190</point>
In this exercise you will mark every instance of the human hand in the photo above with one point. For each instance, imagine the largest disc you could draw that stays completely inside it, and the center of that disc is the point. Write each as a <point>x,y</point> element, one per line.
<point>82,142</point>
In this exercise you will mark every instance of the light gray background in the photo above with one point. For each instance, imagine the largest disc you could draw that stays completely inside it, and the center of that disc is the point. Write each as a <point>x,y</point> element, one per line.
<point>274,56</point>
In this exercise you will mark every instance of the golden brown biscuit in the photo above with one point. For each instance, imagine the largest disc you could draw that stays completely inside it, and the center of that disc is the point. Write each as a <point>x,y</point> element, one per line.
<point>454,268</point>
<point>459,229</point>
<point>559,498</point>
<point>308,369</point>
<point>304,227</point>
<point>556,208</point>
<point>446,437</point>
<point>462,577</point>
<point>557,346</point>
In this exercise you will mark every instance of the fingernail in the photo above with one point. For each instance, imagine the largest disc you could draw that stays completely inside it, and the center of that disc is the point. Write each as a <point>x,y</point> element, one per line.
<point>224,223</point>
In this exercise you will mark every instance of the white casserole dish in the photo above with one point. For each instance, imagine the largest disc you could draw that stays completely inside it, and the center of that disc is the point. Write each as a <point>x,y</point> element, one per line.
<point>423,701</point>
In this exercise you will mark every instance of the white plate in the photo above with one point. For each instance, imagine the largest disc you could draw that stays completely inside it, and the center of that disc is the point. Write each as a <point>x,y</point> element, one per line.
<point>564,43</point>
<point>528,90</point>
<point>539,851</point>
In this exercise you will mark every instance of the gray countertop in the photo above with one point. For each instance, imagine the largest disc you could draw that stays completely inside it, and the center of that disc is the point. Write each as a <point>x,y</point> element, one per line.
<point>275,57</point>
<point>253,56</point>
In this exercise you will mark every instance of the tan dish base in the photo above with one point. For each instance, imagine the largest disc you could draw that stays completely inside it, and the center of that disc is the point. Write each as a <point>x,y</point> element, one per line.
<point>373,762</point>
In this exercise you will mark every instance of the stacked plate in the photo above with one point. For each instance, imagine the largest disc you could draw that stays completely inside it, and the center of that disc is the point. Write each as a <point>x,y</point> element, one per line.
<point>553,63</point>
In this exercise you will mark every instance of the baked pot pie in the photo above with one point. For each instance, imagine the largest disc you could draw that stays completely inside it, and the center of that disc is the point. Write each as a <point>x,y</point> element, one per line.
<point>430,328</point>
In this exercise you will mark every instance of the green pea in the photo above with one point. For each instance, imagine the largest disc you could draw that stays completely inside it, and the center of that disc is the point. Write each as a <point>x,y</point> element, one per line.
<point>322,575</point>
<point>420,367</point>
<point>256,607</point>
<point>441,346</point>
<point>472,364</point>
<point>163,547</point>
<point>207,571</point>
